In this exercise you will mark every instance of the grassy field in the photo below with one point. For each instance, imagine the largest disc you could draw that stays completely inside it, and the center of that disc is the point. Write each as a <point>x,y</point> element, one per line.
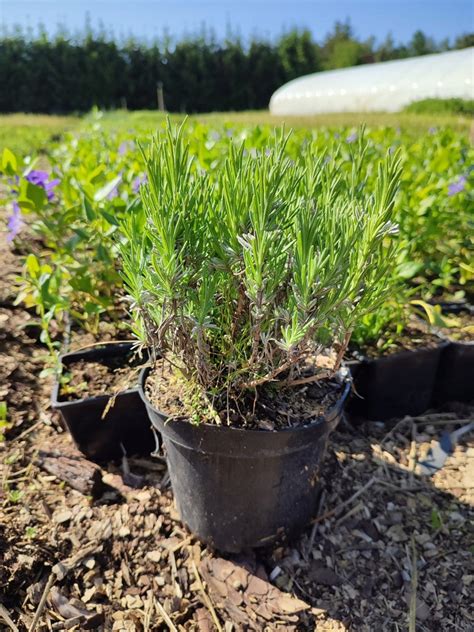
<point>24,133</point>
<point>414,123</point>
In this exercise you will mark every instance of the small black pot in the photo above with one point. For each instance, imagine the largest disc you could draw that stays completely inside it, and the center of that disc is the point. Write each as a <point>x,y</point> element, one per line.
<point>395,385</point>
<point>125,424</point>
<point>455,376</point>
<point>237,488</point>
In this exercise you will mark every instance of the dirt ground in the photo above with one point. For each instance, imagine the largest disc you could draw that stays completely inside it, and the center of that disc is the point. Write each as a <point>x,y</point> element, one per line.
<point>388,545</point>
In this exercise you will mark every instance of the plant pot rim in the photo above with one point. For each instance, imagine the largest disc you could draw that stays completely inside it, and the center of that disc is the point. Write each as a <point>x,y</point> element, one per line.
<point>462,343</point>
<point>329,415</point>
<point>66,358</point>
<point>403,353</point>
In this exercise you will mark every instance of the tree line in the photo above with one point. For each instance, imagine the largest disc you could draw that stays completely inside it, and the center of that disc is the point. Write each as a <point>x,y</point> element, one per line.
<point>64,73</point>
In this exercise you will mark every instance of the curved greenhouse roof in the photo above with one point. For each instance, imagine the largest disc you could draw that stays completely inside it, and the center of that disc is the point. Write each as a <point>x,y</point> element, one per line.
<point>386,86</point>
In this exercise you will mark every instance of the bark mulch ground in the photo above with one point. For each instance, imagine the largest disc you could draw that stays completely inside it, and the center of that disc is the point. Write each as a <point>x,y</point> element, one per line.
<point>388,544</point>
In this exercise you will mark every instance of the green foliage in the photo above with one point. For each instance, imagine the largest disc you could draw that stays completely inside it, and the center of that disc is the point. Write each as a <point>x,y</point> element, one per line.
<point>237,274</point>
<point>31,133</point>
<point>30,532</point>
<point>4,424</point>
<point>72,272</point>
<point>14,496</point>
<point>465,107</point>
<point>73,275</point>
<point>436,520</point>
<point>435,211</point>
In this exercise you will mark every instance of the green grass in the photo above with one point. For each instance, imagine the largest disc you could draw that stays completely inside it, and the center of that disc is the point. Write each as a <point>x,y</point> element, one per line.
<point>462,107</point>
<point>26,133</point>
<point>407,122</point>
<point>414,123</point>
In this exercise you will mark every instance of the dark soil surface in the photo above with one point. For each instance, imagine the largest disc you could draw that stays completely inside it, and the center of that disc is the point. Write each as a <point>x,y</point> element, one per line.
<point>91,379</point>
<point>461,327</point>
<point>388,544</point>
<point>417,335</point>
<point>271,408</point>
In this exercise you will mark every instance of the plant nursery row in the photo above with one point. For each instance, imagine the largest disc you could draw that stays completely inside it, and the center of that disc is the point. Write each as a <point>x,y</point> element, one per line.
<point>243,286</point>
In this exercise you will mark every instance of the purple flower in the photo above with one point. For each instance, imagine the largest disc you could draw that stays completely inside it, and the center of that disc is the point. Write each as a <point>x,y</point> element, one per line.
<point>138,181</point>
<point>125,146</point>
<point>432,130</point>
<point>15,223</point>
<point>37,177</point>
<point>113,194</point>
<point>351,138</point>
<point>49,186</point>
<point>40,179</point>
<point>458,186</point>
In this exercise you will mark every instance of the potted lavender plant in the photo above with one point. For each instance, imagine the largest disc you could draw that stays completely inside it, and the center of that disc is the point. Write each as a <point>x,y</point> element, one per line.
<point>246,283</point>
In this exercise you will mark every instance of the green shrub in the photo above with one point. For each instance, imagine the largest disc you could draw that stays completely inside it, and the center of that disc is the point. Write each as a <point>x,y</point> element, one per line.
<point>442,106</point>
<point>239,274</point>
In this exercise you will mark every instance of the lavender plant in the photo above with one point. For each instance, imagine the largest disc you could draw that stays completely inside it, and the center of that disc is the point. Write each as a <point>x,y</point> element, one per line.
<point>238,276</point>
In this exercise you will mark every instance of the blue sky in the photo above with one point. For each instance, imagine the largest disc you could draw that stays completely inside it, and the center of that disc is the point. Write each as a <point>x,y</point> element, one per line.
<point>148,18</point>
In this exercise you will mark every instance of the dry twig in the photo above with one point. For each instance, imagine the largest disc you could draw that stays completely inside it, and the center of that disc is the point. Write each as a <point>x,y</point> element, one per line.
<point>414,584</point>
<point>148,611</point>
<point>166,617</point>
<point>42,603</point>
<point>5,617</point>
<point>206,597</point>
<point>340,507</point>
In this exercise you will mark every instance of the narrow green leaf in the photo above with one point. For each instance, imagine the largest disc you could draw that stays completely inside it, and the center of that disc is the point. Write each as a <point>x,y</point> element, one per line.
<point>9,162</point>
<point>106,190</point>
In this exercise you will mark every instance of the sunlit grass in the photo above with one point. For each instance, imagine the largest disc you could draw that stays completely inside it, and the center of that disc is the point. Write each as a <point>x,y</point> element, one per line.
<point>414,123</point>
<point>25,133</point>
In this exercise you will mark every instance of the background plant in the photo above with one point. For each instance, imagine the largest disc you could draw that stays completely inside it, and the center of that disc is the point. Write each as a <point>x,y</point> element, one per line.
<point>71,207</point>
<point>463,107</point>
<point>68,231</point>
<point>240,274</point>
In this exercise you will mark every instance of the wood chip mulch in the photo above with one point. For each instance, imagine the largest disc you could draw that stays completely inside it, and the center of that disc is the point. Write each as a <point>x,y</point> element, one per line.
<point>388,546</point>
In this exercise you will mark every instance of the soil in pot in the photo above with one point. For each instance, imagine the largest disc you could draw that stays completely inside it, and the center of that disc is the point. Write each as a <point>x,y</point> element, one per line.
<point>239,487</point>
<point>416,335</point>
<point>105,416</point>
<point>271,408</point>
<point>461,327</point>
<point>85,378</point>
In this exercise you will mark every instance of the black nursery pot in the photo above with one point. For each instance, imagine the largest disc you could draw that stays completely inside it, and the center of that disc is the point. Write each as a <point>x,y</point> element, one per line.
<point>125,424</point>
<point>395,385</point>
<point>237,488</point>
<point>455,376</point>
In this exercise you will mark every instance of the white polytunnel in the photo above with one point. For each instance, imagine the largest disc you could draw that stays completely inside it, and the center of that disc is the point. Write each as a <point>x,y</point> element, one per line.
<point>387,86</point>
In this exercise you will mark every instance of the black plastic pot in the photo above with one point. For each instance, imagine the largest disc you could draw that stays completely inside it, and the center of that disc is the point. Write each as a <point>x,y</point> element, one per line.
<point>237,488</point>
<point>455,376</point>
<point>395,385</point>
<point>125,424</point>
<point>454,307</point>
